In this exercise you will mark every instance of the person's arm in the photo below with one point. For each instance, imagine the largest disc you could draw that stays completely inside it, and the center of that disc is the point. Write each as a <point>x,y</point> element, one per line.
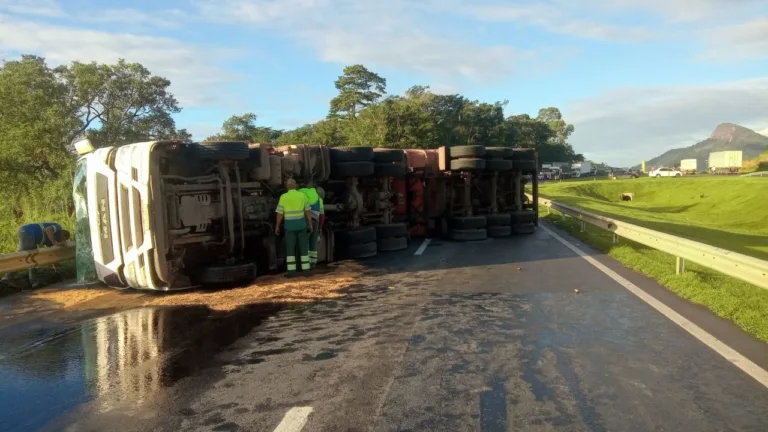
<point>308,215</point>
<point>279,212</point>
<point>50,232</point>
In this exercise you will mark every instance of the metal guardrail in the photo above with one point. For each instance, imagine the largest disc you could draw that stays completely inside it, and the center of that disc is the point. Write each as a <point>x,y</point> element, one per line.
<point>39,257</point>
<point>746,268</point>
<point>756,174</point>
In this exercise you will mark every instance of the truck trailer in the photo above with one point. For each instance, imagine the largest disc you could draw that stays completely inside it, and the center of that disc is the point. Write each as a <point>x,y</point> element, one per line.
<point>170,215</point>
<point>688,166</point>
<point>581,169</point>
<point>725,162</point>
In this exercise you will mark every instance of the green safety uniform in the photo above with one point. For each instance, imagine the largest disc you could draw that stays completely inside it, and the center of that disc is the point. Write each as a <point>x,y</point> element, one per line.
<point>292,206</point>
<point>313,199</point>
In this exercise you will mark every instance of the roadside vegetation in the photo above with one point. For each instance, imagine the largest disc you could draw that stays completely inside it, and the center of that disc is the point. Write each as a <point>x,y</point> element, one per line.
<point>722,211</point>
<point>46,110</point>
<point>742,303</point>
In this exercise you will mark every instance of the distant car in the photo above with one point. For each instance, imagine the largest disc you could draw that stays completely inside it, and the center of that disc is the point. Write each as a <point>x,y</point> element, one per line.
<point>665,172</point>
<point>624,174</point>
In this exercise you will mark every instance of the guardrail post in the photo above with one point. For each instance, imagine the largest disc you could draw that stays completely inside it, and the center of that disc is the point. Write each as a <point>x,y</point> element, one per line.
<point>583,227</point>
<point>615,239</point>
<point>679,265</point>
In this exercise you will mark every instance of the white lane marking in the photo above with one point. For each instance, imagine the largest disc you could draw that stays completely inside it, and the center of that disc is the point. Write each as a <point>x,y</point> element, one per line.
<point>294,419</point>
<point>730,354</point>
<point>423,247</point>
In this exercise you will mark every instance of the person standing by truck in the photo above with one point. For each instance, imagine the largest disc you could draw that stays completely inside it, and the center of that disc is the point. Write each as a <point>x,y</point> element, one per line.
<point>313,199</point>
<point>35,235</point>
<point>294,209</point>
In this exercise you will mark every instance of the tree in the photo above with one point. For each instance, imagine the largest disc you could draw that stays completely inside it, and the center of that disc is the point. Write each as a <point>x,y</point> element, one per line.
<point>554,119</point>
<point>125,100</point>
<point>243,128</point>
<point>358,87</point>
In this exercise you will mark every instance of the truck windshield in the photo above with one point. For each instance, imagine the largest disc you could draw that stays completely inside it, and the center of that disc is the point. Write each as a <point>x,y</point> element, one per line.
<point>86,267</point>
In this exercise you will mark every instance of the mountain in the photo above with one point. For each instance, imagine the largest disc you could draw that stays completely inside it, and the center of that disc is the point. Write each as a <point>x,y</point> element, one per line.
<point>726,136</point>
<point>763,132</point>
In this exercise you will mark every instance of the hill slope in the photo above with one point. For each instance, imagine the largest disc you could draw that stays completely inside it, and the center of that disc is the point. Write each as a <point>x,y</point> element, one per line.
<point>726,136</point>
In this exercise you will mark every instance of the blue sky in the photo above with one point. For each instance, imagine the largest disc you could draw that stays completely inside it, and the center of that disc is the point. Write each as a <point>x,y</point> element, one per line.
<point>635,77</point>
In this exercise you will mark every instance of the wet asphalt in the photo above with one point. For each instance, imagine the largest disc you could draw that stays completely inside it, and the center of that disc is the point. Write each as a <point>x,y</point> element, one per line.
<point>486,336</point>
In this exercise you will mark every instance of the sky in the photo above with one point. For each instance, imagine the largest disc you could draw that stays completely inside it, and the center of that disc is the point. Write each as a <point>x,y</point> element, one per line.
<point>635,77</point>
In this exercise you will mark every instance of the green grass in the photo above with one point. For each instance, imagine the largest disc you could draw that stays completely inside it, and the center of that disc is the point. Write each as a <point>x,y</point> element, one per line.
<point>723,211</point>
<point>730,298</point>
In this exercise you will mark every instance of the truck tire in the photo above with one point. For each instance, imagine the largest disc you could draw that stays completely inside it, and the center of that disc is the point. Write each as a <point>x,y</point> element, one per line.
<point>391,230</point>
<point>498,152</point>
<point>468,234</point>
<point>498,165</point>
<point>501,219</point>
<point>352,154</point>
<point>467,164</point>
<point>499,231</point>
<point>523,153</point>
<point>226,274</point>
<point>384,155</point>
<point>223,150</point>
<point>470,151</point>
<point>361,250</point>
<point>522,217</point>
<point>391,244</point>
<point>389,170</point>
<point>356,236</point>
<point>525,165</point>
<point>469,222</point>
<point>342,170</point>
<point>527,228</point>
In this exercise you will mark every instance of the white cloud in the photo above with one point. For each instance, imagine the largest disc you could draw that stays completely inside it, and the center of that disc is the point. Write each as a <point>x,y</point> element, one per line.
<point>627,125</point>
<point>169,18</point>
<point>196,79</point>
<point>394,34</point>
<point>742,41</point>
<point>48,8</point>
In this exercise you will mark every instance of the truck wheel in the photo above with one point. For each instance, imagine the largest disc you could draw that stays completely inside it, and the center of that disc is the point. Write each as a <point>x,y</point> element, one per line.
<point>361,235</point>
<point>352,154</point>
<point>223,150</point>
<point>226,274</point>
<point>499,231</point>
<point>467,164</point>
<point>384,155</point>
<point>389,170</point>
<point>525,165</point>
<point>468,234</point>
<point>469,222</point>
<point>470,151</point>
<point>498,152</point>
<point>501,219</point>
<point>391,244</point>
<point>522,217</point>
<point>361,250</point>
<point>523,154</point>
<point>498,165</point>
<point>391,230</point>
<point>342,170</point>
<point>527,228</point>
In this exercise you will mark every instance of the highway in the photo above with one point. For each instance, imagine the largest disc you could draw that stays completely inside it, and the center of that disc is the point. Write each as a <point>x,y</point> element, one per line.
<point>487,336</point>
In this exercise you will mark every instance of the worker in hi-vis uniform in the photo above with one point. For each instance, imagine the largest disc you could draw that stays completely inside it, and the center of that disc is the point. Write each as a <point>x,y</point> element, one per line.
<point>313,199</point>
<point>294,209</point>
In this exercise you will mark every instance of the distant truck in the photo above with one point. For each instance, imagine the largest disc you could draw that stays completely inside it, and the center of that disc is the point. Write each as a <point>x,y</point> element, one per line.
<point>688,166</point>
<point>725,162</point>
<point>581,169</point>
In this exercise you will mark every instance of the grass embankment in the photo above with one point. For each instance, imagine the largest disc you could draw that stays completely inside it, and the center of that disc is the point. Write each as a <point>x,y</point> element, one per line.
<point>675,206</point>
<point>723,211</point>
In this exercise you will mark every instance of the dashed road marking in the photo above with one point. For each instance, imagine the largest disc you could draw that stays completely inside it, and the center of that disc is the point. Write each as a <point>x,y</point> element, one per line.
<point>423,247</point>
<point>294,419</point>
<point>730,354</point>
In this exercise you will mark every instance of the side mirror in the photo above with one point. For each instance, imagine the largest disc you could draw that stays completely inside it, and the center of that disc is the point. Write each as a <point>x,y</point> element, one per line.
<point>84,147</point>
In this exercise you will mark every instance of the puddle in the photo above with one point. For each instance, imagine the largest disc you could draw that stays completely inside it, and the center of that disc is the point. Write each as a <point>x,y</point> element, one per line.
<point>126,357</point>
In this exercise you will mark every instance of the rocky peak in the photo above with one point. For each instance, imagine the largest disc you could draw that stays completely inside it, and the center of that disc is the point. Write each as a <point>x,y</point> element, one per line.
<point>729,132</point>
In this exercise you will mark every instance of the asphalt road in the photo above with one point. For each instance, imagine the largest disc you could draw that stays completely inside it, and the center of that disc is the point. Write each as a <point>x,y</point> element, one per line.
<point>486,336</point>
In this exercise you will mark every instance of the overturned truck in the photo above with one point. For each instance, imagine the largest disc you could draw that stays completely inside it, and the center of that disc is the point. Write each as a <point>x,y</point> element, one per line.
<point>168,215</point>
